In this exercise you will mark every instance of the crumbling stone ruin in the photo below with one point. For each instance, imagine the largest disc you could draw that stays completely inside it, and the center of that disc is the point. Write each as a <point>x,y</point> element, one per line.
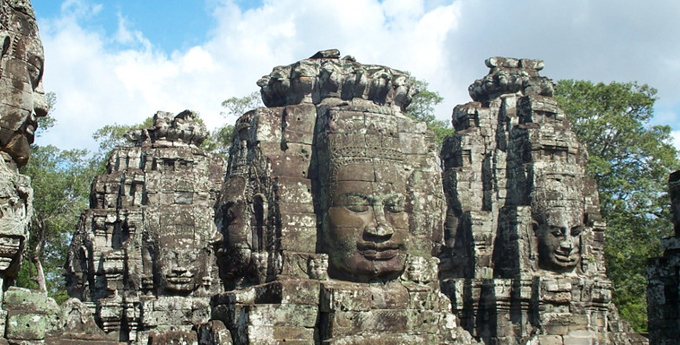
<point>332,222</point>
<point>523,261</point>
<point>330,212</point>
<point>663,280</point>
<point>26,317</point>
<point>143,253</point>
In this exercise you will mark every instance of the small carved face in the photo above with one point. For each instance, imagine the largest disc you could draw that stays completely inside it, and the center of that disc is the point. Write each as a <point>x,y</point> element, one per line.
<point>181,264</point>
<point>20,85</point>
<point>233,218</point>
<point>559,239</point>
<point>15,196</point>
<point>9,251</point>
<point>366,229</point>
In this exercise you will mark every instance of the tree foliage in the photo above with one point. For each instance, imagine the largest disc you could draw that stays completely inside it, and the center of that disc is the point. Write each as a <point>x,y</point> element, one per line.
<point>61,185</point>
<point>631,160</point>
<point>422,109</point>
<point>219,140</point>
<point>112,136</point>
<point>237,106</point>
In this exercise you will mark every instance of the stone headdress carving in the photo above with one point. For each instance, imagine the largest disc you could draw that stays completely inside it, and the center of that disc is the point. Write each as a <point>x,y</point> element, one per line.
<point>144,252</point>
<point>524,234</point>
<point>331,187</point>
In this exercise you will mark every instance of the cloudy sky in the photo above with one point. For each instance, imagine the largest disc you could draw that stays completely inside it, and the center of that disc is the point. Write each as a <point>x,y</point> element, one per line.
<point>122,60</point>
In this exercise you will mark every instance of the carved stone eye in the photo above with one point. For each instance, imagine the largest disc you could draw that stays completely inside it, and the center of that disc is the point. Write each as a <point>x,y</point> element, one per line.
<point>557,232</point>
<point>577,230</point>
<point>358,207</point>
<point>354,203</point>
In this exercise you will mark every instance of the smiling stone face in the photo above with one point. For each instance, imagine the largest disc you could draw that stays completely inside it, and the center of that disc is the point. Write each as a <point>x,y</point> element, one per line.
<point>181,264</point>
<point>559,238</point>
<point>366,228</point>
<point>22,98</point>
<point>366,194</point>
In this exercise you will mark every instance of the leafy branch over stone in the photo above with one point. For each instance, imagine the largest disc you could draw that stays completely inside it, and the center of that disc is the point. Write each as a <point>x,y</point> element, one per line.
<point>631,160</point>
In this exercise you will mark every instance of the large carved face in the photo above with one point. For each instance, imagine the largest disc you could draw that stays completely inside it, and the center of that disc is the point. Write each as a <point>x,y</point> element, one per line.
<point>559,238</point>
<point>22,98</point>
<point>181,263</point>
<point>366,228</point>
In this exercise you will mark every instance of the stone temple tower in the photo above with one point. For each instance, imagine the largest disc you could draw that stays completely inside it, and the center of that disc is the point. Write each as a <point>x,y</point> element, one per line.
<point>143,254</point>
<point>523,261</point>
<point>331,211</point>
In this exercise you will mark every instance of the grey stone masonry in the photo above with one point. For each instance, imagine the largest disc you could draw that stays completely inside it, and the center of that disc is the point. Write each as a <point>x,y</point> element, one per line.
<point>663,280</point>
<point>523,261</point>
<point>143,255</point>
<point>330,212</point>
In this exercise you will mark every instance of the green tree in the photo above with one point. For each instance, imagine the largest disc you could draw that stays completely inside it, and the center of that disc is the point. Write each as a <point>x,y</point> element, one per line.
<point>219,140</point>
<point>422,109</point>
<point>112,136</point>
<point>237,106</point>
<point>631,160</point>
<point>61,184</point>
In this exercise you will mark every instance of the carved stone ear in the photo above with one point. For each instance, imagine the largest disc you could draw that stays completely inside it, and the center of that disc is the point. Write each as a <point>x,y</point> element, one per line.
<point>535,226</point>
<point>6,42</point>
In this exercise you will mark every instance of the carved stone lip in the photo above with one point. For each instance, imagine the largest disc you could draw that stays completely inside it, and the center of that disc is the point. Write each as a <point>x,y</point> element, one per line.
<point>30,127</point>
<point>379,251</point>
<point>380,255</point>
<point>179,280</point>
<point>565,258</point>
<point>8,251</point>
<point>378,246</point>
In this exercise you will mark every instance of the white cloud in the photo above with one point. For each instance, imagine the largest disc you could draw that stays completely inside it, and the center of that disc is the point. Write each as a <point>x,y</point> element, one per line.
<point>443,42</point>
<point>676,138</point>
<point>80,8</point>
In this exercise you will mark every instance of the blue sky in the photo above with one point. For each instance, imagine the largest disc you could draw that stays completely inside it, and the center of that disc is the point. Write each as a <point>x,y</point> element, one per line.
<point>122,60</point>
<point>169,24</point>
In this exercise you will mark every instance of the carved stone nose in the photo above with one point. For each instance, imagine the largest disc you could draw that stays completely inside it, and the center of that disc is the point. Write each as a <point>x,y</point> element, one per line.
<point>567,245</point>
<point>179,269</point>
<point>381,230</point>
<point>379,226</point>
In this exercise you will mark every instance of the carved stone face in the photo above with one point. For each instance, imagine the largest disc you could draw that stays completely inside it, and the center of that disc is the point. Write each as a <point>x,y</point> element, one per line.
<point>234,255</point>
<point>181,264</point>
<point>15,198</point>
<point>9,250</point>
<point>366,229</point>
<point>22,98</point>
<point>559,239</point>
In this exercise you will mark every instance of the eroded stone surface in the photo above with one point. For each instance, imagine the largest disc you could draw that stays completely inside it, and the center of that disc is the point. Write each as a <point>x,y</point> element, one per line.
<point>21,101</point>
<point>330,212</point>
<point>334,224</point>
<point>523,261</point>
<point>663,280</point>
<point>22,98</point>
<point>143,254</point>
